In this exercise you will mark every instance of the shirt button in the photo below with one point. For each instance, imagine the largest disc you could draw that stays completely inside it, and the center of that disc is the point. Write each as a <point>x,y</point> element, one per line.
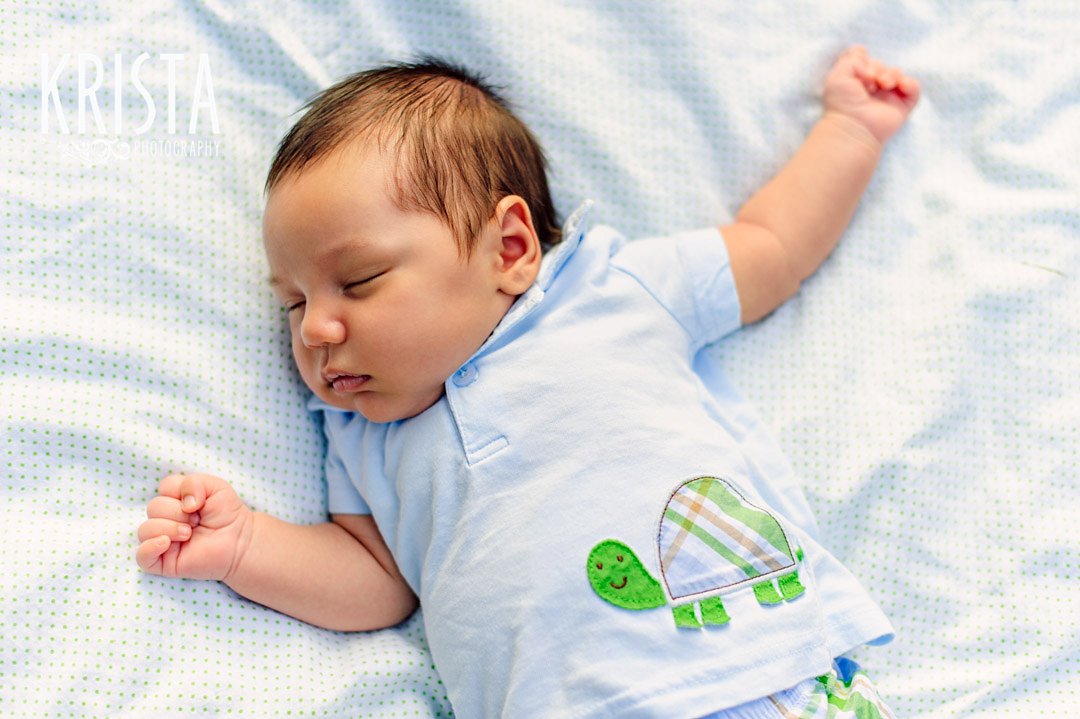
<point>465,376</point>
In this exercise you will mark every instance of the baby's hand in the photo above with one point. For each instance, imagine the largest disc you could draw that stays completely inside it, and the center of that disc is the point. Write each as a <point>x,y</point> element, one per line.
<point>197,528</point>
<point>879,98</point>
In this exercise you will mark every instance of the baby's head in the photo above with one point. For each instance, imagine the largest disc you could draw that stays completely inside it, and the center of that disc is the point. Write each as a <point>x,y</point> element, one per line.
<point>406,210</point>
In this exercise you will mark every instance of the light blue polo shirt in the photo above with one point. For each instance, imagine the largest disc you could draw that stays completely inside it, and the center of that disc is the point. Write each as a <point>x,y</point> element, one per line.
<point>589,417</point>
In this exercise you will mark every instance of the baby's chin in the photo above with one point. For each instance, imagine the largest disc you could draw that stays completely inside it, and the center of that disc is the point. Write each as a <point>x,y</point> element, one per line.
<point>381,407</point>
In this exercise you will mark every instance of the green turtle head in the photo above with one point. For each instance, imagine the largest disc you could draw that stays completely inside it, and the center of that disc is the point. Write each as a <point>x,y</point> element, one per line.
<point>618,576</point>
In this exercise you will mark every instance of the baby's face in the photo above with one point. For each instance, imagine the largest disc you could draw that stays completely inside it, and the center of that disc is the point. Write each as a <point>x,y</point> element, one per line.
<point>381,307</point>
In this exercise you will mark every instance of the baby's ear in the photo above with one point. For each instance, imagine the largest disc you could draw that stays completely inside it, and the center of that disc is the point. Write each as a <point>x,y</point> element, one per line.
<point>519,250</point>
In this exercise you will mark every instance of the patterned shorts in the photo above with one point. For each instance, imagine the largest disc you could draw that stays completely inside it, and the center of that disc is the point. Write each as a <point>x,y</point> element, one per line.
<point>846,692</point>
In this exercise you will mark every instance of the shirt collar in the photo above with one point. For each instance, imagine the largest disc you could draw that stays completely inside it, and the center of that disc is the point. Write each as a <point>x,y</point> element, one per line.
<point>572,234</point>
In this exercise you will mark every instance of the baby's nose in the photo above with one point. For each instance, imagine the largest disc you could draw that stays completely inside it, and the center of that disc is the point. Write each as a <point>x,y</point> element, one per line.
<point>320,327</point>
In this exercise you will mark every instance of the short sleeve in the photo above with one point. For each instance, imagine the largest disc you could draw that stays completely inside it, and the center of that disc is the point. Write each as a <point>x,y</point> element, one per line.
<point>690,275</point>
<point>342,496</point>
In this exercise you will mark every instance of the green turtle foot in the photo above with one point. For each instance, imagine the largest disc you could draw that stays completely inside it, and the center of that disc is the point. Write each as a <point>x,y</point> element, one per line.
<point>790,586</point>
<point>685,617</point>
<point>713,612</point>
<point>766,593</point>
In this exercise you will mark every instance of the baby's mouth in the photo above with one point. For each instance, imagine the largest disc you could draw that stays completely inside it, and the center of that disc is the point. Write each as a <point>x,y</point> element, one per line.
<point>346,383</point>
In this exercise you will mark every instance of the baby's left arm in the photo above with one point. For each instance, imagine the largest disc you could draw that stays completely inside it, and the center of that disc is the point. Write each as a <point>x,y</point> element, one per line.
<point>788,228</point>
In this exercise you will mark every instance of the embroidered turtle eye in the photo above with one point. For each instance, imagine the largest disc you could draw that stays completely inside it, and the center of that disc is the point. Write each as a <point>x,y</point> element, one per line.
<point>599,565</point>
<point>618,557</point>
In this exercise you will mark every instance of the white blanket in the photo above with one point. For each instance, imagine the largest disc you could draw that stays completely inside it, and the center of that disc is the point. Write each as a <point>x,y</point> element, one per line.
<point>925,383</point>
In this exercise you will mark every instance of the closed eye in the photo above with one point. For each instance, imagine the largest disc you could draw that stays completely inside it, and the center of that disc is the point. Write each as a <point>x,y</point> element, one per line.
<point>290,307</point>
<point>359,283</point>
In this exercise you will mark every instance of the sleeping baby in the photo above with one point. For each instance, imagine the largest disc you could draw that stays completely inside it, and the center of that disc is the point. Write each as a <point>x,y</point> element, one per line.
<point>517,437</point>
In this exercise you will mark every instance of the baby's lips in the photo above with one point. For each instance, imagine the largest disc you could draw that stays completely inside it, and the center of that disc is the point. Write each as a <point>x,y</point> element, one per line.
<point>344,384</point>
<point>194,519</point>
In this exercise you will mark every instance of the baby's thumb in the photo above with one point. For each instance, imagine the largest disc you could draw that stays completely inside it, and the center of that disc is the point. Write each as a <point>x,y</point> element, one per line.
<point>193,492</point>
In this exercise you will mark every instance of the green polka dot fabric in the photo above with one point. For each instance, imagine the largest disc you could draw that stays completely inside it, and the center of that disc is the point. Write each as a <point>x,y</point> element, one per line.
<point>925,383</point>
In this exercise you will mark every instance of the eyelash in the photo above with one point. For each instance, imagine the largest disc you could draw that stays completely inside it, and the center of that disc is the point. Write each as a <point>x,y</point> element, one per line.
<point>298,305</point>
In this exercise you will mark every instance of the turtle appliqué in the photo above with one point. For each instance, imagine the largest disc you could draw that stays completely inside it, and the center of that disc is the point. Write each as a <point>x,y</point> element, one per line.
<point>711,542</point>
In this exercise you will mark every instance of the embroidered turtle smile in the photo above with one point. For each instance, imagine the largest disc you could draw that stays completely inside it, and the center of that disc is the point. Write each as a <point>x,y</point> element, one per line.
<point>618,586</point>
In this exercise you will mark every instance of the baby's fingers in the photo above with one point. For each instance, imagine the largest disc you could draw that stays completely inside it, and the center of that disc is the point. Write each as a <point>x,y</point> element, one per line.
<point>174,531</point>
<point>170,486</point>
<point>910,87</point>
<point>195,488</point>
<point>188,488</point>
<point>161,507</point>
<point>148,555</point>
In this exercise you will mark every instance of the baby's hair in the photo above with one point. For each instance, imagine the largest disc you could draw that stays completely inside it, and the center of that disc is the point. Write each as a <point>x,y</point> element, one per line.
<point>459,149</point>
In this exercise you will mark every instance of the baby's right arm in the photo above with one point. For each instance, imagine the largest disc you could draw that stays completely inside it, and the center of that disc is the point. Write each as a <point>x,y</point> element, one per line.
<point>337,575</point>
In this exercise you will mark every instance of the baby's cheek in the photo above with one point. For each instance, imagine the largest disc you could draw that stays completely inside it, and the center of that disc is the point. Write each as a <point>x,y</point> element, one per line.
<point>307,365</point>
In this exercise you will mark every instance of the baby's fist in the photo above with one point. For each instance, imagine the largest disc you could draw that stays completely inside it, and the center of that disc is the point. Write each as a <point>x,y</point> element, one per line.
<point>878,97</point>
<point>197,527</point>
